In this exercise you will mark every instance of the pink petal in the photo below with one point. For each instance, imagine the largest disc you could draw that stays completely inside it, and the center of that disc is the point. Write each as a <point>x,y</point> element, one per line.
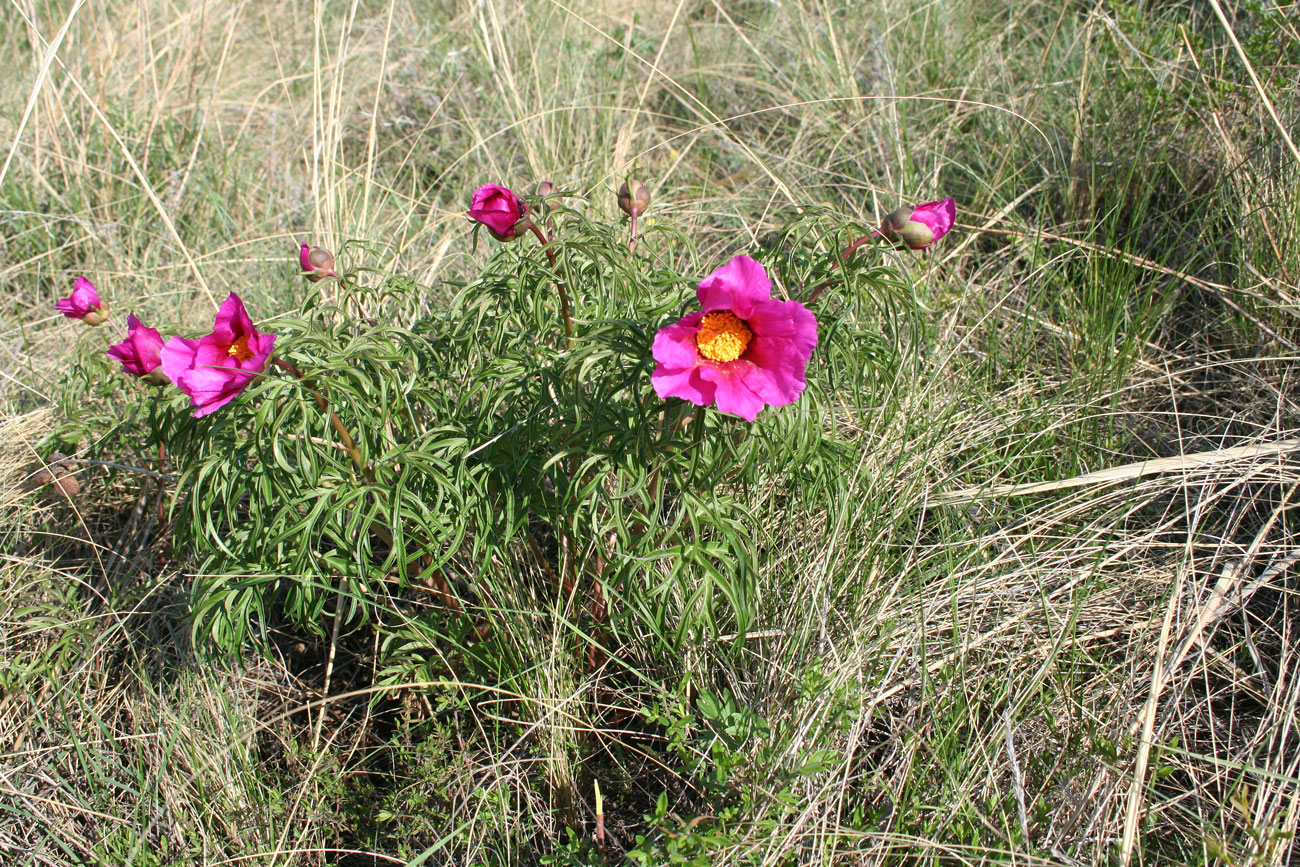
<point>785,319</point>
<point>938,216</point>
<point>498,208</point>
<point>84,296</point>
<point>139,352</point>
<point>178,358</point>
<point>732,394</point>
<point>232,321</point>
<point>674,345</point>
<point>261,346</point>
<point>735,286</point>
<point>686,383</point>
<point>774,371</point>
<point>304,260</point>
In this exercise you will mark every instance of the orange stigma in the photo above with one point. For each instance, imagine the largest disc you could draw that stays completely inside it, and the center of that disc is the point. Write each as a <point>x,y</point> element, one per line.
<point>723,336</point>
<point>239,349</point>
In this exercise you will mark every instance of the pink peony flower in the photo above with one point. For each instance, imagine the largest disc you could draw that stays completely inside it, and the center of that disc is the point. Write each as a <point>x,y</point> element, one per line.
<point>921,226</point>
<point>139,353</point>
<point>214,369</point>
<point>741,350</point>
<point>316,262</point>
<point>499,209</point>
<point>83,303</point>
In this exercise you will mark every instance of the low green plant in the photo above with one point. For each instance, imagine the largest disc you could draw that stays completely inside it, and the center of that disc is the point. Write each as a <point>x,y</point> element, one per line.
<point>496,449</point>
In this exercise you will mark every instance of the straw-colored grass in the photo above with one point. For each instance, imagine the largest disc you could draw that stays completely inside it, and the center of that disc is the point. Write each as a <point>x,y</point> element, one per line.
<point>1053,627</point>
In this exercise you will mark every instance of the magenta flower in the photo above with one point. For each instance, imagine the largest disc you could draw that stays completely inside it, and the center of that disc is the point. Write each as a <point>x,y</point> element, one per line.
<point>83,303</point>
<point>317,262</point>
<point>139,353</point>
<point>214,369</point>
<point>921,226</point>
<point>741,350</point>
<point>499,209</point>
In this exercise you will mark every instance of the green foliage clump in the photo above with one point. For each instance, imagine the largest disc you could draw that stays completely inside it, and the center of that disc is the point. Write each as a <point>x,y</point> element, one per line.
<point>453,467</point>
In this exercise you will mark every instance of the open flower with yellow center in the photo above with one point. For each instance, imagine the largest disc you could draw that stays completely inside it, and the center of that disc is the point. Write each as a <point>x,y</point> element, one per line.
<point>214,369</point>
<point>742,350</point>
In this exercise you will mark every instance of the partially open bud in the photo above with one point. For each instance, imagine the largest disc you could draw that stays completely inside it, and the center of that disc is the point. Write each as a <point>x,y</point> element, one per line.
<point>83,303</point>
<point>633,197</point>
<point>921,226</point>
<point>317,263</point>
<point>503,213</point>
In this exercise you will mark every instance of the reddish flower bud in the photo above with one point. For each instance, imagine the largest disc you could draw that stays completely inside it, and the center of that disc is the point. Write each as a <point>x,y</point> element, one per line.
<point>921,226</point>
<point>500,210</point>
<point>317,263</point>
<point>544,189</point>
<point>140,352</point>
<point>57,476</point>
<point>633,196</point>
<point>83,303</point>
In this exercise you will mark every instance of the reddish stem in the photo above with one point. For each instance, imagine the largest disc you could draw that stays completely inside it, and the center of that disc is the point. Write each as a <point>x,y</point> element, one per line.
<point>631,244</point>
<point>162,482</point>
<point>335,421</point>
<point>844,257</point>
<point>564,293</point>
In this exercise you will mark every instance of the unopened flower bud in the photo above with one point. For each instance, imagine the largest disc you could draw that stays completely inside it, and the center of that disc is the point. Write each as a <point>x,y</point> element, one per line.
<point>317,263</point>
<point>66,485</point>
<point>633,197</point>
<point>57,476</point>
<point>545,189</point>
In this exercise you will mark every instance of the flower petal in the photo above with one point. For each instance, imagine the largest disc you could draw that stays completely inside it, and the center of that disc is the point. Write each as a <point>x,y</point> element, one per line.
<point>84,296</point>
<point>774,372</point>
<point>139,352</point>
<point>686,383</point>
<point>789,320</point>
<point>736,286</point>
<point>178,357</point>
<point>262,346</point>
<point>731,392</point>
<point>498,208</point>
<point>674,344</point>
<point>938,216</point>
<point>232,321</point>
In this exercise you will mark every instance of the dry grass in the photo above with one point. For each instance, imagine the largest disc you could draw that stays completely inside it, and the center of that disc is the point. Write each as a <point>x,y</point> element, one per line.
<point>1048,631</point>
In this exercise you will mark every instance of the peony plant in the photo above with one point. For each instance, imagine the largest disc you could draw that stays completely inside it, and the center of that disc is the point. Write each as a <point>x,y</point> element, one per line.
<point>558,427</point>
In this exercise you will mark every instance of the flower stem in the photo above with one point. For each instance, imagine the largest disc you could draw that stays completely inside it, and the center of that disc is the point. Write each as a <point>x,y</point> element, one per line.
<point>631,244</point>
<point>844,257</point>
<point>564,293</point>
<point>335,421</point>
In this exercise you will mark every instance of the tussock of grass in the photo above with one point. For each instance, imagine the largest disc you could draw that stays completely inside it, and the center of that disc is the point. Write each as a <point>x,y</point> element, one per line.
<point>971,657</point>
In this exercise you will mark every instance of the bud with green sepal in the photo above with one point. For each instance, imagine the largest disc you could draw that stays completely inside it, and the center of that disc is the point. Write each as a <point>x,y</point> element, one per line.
<point>919,227</point>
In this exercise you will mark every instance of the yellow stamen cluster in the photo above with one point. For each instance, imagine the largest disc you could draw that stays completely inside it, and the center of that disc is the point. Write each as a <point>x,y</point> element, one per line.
<point>723,336</point>
<point>239,349</point>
